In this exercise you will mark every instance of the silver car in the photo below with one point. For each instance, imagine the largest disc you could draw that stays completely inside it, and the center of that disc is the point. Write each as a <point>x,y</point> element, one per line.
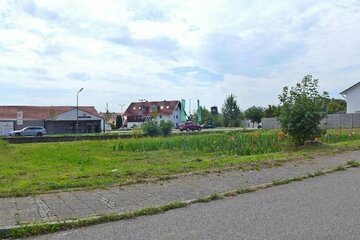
<point>29,131</point>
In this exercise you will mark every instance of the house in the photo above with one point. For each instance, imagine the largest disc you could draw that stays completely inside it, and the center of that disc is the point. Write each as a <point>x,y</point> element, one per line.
<point>140,112</point>
<point>352,95</point>
<point>55,119</point>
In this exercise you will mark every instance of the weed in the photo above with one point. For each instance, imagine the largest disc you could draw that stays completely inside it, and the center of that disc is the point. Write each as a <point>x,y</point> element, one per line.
<point>353,163</point>
<point>210,198</point>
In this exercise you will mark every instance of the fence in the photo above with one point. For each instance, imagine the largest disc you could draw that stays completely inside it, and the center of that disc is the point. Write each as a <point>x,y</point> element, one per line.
<point>349,120</point>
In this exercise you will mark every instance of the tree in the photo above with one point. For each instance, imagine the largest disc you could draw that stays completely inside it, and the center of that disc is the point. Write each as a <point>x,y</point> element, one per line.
<point>335,105</point>
<point>254,114</point>
<point>206,116</point>
<point>107,116</point>
<point>272,111</point>
<point>52,113</point>
<point>231,112</point>
<point>118,121</point>
<point>302,110</point>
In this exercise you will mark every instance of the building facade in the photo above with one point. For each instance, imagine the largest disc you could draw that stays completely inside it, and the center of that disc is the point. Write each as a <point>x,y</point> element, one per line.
<point>55,119</point>
<point>139,112</point>
<point>352,95</point>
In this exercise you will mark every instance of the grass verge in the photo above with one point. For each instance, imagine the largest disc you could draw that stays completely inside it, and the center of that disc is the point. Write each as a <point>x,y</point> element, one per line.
<point>44,168</point>
<point>37,229</point>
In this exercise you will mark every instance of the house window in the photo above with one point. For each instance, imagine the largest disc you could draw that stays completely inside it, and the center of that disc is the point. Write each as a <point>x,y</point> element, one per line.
<point>176,116</point>
<point>160,116</point>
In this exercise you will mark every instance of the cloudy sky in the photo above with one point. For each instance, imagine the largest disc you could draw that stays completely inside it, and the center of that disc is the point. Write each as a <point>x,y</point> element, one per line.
<point>124,50</point>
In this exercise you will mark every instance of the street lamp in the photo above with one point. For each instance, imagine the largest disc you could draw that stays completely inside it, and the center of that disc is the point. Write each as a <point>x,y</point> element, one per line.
<point>77,110</point>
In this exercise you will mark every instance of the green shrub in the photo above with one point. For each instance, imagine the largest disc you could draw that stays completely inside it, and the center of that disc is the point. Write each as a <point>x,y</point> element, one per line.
<point>151,128</point>
<point>136,132</point>
<point>302,110</point>
<point>165,127</point>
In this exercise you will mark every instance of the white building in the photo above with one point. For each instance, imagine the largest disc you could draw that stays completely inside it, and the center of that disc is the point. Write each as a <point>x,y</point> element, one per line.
<point>139,112</point>
<point>352,95</point>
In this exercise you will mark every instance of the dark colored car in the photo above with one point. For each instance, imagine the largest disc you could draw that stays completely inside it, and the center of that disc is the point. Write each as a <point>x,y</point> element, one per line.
<point>208,125</point>
<point>189,126</point>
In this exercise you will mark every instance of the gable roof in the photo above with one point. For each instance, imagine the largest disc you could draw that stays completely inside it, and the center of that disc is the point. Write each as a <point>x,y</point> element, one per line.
<point>146,108</point>
<point>348,89</point>
<point>39,112</point>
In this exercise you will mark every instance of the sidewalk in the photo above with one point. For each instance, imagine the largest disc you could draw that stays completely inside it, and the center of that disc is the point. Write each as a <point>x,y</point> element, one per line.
<point>77,204</point>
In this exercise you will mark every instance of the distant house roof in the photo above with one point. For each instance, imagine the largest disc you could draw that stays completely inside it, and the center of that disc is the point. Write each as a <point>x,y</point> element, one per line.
<point>348,89</point>
<point>39,112</point>
<point>146,108</point>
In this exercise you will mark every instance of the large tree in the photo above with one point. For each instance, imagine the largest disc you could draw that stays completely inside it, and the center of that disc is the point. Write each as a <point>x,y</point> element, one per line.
<point>231,112</point>
<point>302,110</point>
<point>272,111</point>
<point>254,114</point>
<point>335,105</point>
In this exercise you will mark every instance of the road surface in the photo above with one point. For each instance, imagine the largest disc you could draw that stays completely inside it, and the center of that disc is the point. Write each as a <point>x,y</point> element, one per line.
<point>326,207</point>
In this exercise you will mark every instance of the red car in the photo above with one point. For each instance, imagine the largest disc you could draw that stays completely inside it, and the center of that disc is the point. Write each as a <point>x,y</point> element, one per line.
<point>188,125</point>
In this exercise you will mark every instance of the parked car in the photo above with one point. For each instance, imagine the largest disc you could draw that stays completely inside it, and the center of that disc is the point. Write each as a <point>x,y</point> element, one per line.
<point>29,131</point>
<point>209,124</point>
<point>188,125</point>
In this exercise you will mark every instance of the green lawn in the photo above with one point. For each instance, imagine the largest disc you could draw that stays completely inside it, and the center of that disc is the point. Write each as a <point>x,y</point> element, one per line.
<point>44,167</point>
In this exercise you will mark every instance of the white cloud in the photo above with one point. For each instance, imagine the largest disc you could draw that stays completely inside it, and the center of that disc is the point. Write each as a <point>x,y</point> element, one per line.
<point>120,51</point>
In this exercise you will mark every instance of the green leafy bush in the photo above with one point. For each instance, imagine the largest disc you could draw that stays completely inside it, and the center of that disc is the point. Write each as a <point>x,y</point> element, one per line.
<point>302,110</point>
<point>137,132</point>
<point>165,127</point>
<point>151,128</point>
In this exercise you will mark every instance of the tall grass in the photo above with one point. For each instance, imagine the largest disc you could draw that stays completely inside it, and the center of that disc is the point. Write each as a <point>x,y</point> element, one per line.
<point>340,137</point>
<point>231,143</point>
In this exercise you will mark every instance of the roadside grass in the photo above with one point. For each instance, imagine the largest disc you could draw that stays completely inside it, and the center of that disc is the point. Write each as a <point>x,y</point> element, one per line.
<point>44,228</point>
<point>27,169</point>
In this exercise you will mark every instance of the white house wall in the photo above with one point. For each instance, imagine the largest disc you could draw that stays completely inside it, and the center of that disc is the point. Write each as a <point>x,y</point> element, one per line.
<point>353,100</point>
<point>71,115</point>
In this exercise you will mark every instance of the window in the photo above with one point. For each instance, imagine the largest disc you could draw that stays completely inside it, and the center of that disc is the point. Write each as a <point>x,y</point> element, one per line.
<point>162,107</point>
<point>167,106</point>
<point>177,116</point>
<point>160,116</point>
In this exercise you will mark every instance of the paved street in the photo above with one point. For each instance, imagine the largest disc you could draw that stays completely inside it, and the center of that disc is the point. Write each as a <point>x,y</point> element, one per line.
<point>326,207</point>
<point>76,204</point>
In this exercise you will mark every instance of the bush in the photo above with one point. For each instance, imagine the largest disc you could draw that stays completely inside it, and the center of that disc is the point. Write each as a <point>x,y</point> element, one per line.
<point>165,127</point>
<point>136,132</point>
<point>151,128</point>
<point>302,110</point>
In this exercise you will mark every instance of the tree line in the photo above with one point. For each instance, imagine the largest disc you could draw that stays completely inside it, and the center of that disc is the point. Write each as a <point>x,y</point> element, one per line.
<point>231,114</point>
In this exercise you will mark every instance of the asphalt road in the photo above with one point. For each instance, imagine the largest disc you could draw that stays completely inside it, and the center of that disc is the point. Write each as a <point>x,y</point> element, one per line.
<point>326,207</point>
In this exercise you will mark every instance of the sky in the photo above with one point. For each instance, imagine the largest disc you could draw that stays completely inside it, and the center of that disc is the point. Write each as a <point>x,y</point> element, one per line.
<point>125,50</point>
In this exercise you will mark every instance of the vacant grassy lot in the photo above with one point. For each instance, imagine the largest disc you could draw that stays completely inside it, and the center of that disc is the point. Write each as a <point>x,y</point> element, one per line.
<point>36,168</point>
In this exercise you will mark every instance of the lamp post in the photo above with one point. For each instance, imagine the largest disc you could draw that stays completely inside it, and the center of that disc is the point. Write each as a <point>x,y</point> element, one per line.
<point>77,110</point>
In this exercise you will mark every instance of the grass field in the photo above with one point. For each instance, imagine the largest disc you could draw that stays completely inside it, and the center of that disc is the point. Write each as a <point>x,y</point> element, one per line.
<point>44,167</point>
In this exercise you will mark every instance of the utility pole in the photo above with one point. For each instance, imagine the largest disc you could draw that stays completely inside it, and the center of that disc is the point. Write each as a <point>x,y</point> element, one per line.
<point>77,110</point>
<point>121,106</point>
